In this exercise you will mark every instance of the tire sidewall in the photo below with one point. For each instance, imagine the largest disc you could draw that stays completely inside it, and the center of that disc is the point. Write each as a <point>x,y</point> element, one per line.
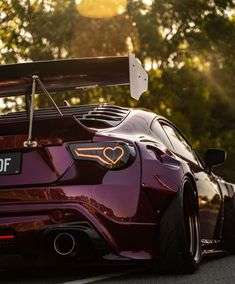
<point>175,255</point>
<point>187,185</point>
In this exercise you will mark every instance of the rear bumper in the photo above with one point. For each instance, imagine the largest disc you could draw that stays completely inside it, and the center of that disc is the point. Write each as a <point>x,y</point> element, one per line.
<point>34,226</point>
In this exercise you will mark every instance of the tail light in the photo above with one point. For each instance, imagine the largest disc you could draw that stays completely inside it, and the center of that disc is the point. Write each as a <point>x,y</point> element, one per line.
<point>111,155</point>
<point>7,237</point>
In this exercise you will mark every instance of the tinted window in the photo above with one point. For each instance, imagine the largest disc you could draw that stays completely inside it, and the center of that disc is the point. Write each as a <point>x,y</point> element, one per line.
<point>180,144</point>
<point>160,134</point>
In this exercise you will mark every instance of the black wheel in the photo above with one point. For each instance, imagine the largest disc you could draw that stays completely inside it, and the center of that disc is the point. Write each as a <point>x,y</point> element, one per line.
<point>180,240</point>
<point>229,225</point>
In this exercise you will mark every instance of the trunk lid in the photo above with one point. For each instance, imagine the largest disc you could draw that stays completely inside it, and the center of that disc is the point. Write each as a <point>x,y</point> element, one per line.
<point>45,163</point>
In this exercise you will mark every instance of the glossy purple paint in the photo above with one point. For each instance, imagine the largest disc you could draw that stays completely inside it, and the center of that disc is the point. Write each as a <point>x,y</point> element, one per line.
<point>54,191</point>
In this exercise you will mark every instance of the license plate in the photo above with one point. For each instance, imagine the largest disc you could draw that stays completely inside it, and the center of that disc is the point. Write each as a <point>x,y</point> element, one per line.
<point>10,163</point>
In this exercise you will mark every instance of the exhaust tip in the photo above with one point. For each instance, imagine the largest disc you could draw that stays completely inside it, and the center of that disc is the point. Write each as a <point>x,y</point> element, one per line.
<point>64,244</point>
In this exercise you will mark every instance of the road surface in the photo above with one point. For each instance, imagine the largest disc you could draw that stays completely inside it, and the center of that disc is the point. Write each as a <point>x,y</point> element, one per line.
<point>214,270</point>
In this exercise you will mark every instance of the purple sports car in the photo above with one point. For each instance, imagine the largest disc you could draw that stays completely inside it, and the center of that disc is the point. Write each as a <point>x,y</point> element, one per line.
<point>104,182</point>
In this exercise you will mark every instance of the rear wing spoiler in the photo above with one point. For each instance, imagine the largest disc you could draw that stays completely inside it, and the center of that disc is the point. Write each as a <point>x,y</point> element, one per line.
<point>67,74</point>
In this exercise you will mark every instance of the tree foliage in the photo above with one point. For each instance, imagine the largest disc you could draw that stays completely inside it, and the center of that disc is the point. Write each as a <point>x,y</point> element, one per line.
<point>188,45</point>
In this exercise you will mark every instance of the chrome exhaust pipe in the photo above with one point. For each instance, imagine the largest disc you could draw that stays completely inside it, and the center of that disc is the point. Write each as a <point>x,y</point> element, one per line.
<point>64,244</point>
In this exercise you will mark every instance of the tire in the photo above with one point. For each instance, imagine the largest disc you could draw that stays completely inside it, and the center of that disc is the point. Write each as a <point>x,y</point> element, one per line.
<point>180,240</point>
<point>229,225</point>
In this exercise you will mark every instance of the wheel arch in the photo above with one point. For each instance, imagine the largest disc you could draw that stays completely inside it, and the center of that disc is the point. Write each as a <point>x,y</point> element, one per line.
<point>180,250</point>
<point>193,182</point>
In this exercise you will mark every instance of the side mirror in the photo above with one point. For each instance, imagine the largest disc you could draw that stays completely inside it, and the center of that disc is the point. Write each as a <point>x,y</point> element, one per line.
<point>214,157</point>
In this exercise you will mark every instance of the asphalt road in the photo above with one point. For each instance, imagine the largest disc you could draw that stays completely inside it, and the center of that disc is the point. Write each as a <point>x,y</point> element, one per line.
<point>213,270</point>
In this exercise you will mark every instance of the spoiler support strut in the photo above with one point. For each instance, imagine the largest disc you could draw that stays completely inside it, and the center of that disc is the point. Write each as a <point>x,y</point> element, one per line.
<point>30,143</point>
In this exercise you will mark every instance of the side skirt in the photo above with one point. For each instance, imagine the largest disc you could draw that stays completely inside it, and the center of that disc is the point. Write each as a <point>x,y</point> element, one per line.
<point>212,247</point>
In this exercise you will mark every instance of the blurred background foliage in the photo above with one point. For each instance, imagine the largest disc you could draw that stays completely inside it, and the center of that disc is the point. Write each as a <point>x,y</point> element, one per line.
<point>188,47</point>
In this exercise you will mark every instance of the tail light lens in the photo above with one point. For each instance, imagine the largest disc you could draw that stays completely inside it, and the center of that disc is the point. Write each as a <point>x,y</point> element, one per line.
<point>111,155</point>
<point>7,237</point>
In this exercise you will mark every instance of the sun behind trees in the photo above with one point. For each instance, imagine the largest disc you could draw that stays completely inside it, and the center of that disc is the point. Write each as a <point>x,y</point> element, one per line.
<point>188,47</point>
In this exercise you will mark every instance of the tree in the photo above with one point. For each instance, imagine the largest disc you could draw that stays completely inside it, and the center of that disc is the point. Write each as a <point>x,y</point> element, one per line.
<point>192,43</point>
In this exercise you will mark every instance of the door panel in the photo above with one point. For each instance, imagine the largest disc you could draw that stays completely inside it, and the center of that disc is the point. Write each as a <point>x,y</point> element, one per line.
<point>210,201</point>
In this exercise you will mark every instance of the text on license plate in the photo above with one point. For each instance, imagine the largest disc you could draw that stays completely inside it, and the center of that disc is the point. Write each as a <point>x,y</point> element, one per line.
<point>10,163</point>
